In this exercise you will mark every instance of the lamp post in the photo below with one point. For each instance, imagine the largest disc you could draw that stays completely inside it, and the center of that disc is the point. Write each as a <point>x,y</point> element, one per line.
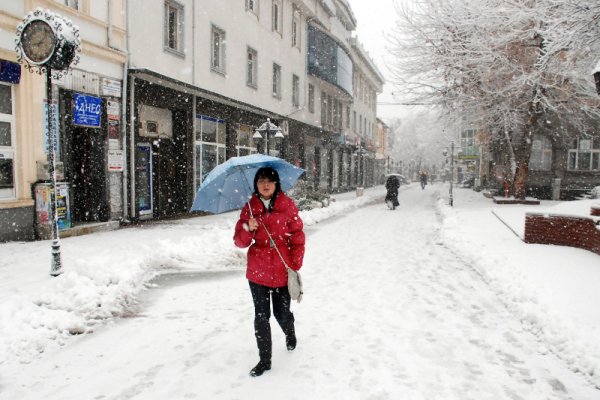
<point>267,128</point>
<point>48,43</point>
<point>445,153</point>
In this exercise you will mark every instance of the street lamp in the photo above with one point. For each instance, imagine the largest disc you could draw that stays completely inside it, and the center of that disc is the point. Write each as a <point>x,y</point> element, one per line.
<point>267,128</point>
<point>47,42</point>
<point>445,153</point>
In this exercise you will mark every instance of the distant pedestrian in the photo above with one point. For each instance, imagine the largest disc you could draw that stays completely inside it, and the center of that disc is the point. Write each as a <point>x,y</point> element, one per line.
<point>423,178</point>
<point>270,208</point>
<point>392,184</point>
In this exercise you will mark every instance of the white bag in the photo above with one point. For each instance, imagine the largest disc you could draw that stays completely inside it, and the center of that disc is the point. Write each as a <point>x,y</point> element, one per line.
<point>295,285</point>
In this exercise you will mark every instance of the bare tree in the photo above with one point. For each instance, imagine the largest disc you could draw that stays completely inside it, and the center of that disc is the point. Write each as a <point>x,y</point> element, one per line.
<point>508,61</point>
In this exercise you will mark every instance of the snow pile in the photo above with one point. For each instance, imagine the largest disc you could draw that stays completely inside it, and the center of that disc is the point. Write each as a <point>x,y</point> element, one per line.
<point>104,274</point>
<point>530,280</point>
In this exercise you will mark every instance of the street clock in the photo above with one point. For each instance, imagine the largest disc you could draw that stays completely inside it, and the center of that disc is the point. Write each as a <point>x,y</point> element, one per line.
<point>47,40</point>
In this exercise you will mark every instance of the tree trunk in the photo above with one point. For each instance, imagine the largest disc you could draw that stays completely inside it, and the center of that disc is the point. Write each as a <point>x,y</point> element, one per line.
<point>523,152</point>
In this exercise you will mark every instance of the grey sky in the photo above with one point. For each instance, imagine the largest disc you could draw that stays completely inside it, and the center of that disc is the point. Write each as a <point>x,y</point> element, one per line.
<point>373,19</point>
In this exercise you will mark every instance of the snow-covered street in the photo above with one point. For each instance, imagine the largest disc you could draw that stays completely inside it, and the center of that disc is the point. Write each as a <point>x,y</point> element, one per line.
<point>389,312</point>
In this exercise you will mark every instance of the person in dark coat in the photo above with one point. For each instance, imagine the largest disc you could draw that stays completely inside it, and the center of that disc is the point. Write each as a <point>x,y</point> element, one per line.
<point>392,185</point>
<point>270,208</point>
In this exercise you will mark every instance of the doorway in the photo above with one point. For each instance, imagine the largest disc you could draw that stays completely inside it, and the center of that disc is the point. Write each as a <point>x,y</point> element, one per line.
<point>85,167</point>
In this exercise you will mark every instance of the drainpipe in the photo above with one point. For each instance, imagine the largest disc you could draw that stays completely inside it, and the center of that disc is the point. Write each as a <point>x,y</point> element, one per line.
<point>194,46</point>
<point>124,115</point>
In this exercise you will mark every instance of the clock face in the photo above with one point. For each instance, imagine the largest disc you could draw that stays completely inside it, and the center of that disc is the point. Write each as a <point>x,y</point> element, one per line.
<point>38,41</point>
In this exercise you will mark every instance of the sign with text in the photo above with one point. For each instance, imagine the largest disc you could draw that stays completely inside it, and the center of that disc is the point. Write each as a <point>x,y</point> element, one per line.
<point>55,124</point>
<point>87,110</point>
<point>116,160</point>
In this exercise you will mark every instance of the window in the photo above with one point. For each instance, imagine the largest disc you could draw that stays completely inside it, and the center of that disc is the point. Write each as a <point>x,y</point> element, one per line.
<point>311,98</point>
<point>217,59</point>
<point>252,68</point>
<point>296,29</point>
<point>72,3</point>
<point>245,142</point>
<point>7,150</point>
<point>347,116</point>
<point>252,6</point>
<point>276,16</point>
<point>276,81</point>
<point>209,145</point>
<point>541,154</point>
<point>584,154</point>
<point>173,33</point>
<point>295,91</point>
<point>323,108</point>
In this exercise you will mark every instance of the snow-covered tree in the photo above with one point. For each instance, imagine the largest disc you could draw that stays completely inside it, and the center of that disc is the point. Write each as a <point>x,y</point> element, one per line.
<point>509,62</point>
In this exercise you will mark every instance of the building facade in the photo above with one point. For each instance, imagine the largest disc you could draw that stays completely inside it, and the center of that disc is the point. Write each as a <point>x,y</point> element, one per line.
<point>90,190</point>
<point>180,86</point>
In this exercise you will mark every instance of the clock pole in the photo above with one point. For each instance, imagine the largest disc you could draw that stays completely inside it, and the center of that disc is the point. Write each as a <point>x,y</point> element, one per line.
<point>55,52</point>
<point>56,264</point>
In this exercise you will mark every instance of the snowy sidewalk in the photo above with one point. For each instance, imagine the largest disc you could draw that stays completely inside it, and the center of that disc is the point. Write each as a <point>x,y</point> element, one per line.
<point>553,290</point>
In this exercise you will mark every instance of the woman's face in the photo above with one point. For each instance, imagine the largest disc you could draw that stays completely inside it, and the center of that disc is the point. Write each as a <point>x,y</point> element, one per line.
<point>266,187</point>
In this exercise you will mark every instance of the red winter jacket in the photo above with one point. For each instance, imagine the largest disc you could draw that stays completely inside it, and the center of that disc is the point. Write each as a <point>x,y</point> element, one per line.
<point>284,224</point>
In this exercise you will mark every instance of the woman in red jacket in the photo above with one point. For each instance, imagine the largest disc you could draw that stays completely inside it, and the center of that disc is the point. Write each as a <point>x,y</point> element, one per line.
<point>270,207</point>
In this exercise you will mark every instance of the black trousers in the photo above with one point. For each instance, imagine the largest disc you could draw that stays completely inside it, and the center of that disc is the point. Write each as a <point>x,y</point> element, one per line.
<point>262,297</point>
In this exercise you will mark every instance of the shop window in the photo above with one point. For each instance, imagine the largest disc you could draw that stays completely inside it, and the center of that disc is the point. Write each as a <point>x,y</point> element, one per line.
<point>541,154</point>
<point>584,154</point>
<point>7,150</point>
<point>209,145</point>
<point>245,142</point>
<point>218,50</point>
<point>173,33</point>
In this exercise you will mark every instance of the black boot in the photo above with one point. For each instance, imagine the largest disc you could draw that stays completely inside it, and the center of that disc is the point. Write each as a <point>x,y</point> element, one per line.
<point>262,330</point>
<point>260,368</point>
<point>290,336</point>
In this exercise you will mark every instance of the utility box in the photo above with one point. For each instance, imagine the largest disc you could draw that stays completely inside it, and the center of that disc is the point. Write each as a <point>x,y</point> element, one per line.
<point>360,191</point>
<point>43,224</point>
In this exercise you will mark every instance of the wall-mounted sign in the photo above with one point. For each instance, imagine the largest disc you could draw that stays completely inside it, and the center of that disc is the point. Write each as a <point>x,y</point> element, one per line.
<point>87,110</point>
<point>110,87</point>
<point>55,125</point>
<point>115,160</point>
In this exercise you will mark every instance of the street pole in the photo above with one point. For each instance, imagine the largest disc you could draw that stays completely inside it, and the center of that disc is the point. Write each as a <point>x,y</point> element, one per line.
<point>267,132</point>
<point>451,172</point>
<point>56,264</point>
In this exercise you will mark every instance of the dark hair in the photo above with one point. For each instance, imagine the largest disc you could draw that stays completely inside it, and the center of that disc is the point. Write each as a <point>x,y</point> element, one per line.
<point>271,174</point>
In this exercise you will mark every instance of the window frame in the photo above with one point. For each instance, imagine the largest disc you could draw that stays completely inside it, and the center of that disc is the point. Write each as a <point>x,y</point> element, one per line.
<point>576,152</point>
<point>169,6</point>
<point>252,6</point>
<point>9,152</point>
<point>74,4</point>
<point>200,143</point>
<point>219,67</point>
<point>276,84</point>
<point>295,90</point>
<point>311,98</point>
<point>296,28</point>
<point>540,158</point>
<point>277,17</point>
<point>251,67</point>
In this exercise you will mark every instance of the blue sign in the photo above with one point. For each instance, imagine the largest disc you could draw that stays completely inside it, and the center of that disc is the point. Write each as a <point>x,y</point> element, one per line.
<point>87,110</point>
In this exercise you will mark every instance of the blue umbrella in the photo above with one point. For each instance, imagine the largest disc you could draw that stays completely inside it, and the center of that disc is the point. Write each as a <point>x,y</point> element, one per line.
<point>231,184</point>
